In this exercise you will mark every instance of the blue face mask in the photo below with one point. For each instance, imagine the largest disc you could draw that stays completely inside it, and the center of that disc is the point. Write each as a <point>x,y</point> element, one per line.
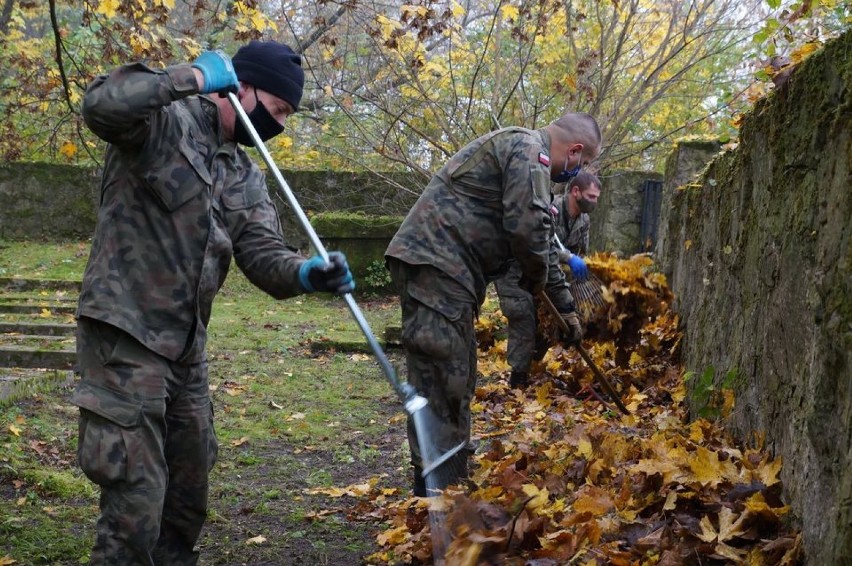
<point>567,174</point>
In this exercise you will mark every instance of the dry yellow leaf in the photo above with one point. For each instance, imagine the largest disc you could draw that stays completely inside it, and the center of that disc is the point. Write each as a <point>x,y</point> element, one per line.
<point>15,430</point>
<point>730,525</point>
<point>668,470</point>
<point>393,536</point>
<point>108,8</point>
<point>593,500</point>
<point>68,149</point>
<point>539,496</point>
<point>707,469</point>
<point>768,472</point>
<point>584,448</point>
<point>671,501</point>
<point>259,539</point>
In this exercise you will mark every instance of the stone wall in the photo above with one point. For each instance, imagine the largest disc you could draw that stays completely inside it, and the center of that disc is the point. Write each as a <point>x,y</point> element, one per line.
<point>44,201</point>
<point>617,219</point>
<point>683,165</point>
<point>759,252</point>
<point>59,202</point>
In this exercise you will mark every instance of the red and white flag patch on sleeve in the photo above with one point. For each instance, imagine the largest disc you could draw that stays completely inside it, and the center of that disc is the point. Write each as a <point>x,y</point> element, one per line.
<point>544,159</point>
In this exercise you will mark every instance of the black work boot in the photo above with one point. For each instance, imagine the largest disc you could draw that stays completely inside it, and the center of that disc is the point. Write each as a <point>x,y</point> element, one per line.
<point>542,345</point>
<point>518,379</point>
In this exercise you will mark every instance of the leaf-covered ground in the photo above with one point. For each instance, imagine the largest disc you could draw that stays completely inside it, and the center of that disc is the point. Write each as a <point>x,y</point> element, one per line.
<point>562,477</point>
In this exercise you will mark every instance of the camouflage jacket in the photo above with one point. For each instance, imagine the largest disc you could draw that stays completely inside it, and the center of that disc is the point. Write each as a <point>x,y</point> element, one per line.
<point>486,205</point>
<point>572,232</point>
<point>177,203</point>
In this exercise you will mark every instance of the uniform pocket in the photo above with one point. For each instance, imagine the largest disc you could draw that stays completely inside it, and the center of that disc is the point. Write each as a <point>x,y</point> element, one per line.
<point>429,333</point>
<point>432,330</point>
<point>178,176</point>
<point>108,419</point>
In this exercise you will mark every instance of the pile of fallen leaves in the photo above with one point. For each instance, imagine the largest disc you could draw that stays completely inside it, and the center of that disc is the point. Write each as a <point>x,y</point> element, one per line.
<point>562,478</point>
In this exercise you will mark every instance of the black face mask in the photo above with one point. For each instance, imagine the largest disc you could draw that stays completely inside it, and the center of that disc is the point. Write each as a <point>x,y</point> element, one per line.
<point>586,205</point>
<point>264,123</point>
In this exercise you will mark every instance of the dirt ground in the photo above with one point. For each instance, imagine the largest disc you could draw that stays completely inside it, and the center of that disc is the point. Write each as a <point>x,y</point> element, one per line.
<point>339,534</point>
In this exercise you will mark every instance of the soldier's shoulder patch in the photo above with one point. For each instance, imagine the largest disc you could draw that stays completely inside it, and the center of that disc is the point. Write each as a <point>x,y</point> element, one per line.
<point>543,158</point>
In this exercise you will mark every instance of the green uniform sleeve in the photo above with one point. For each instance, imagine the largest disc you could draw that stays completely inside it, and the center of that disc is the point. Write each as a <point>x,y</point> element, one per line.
<point>117,107</point>
<point>526,216</point>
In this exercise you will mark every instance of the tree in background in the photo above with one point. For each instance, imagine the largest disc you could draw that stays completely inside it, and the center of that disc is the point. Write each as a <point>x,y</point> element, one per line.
<point>403,86</point>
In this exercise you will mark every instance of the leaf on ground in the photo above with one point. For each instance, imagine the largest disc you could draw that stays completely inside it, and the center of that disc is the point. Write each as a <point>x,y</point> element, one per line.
<point>354,490</point>
<point>592,500</point>
<point>562,478</point>
<point>708,469</point>
<point>393,537</point>
<point>259,539</point>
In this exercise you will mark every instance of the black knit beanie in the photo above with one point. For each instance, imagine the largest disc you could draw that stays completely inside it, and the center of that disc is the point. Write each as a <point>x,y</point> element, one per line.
<point>273,67</point>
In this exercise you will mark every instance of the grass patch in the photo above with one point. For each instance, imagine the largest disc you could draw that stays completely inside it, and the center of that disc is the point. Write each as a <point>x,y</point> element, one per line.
<point>40,260</point>
<point>290,414</point>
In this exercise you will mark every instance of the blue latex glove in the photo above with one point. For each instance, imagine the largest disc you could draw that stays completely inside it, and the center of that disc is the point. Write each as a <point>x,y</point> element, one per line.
<point>218,71</point>
<point>578,267</point>
<point>332,277</point>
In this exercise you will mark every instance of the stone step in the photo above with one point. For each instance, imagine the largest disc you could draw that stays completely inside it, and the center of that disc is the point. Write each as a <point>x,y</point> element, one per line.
<point>19,383</point>
<point>43,343</point>
<point>18,357</point>
<point>55,309</point>
<point>22,284</point>
<point>38,328</point>
<point>23,298</point>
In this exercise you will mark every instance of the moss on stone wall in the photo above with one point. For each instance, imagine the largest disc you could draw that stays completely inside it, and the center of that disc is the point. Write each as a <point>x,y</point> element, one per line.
<point>364,239</point>
<point>355,225</point>
<point>760,253</point>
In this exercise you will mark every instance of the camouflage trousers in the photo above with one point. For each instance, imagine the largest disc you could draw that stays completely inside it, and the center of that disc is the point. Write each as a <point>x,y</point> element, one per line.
<point>146,438</point>
<point>440,349</point>
<point>524,343</point>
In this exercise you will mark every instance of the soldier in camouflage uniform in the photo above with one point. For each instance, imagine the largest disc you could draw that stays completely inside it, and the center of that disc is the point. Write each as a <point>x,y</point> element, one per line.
<point>571,224</point>
<point>490,203</point>
<point>179,200</point>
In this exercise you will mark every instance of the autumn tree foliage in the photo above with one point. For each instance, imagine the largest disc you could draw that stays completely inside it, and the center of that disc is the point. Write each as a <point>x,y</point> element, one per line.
<point>404,85</point>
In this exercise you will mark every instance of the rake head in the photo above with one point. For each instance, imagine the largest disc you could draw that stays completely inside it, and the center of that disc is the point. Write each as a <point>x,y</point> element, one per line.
<point>588,296</point>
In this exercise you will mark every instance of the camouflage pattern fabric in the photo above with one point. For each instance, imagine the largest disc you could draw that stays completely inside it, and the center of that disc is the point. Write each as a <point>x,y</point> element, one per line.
<point>177,203</point>
<point>572,232</point>
<point>440,348</point>
<point>488,204</point>
<point>146,438</point>
<point>519,309</point>
<point>524,344</point>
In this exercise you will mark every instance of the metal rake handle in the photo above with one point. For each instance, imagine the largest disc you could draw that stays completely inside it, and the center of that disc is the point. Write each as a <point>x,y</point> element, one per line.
<point>407,394</point>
